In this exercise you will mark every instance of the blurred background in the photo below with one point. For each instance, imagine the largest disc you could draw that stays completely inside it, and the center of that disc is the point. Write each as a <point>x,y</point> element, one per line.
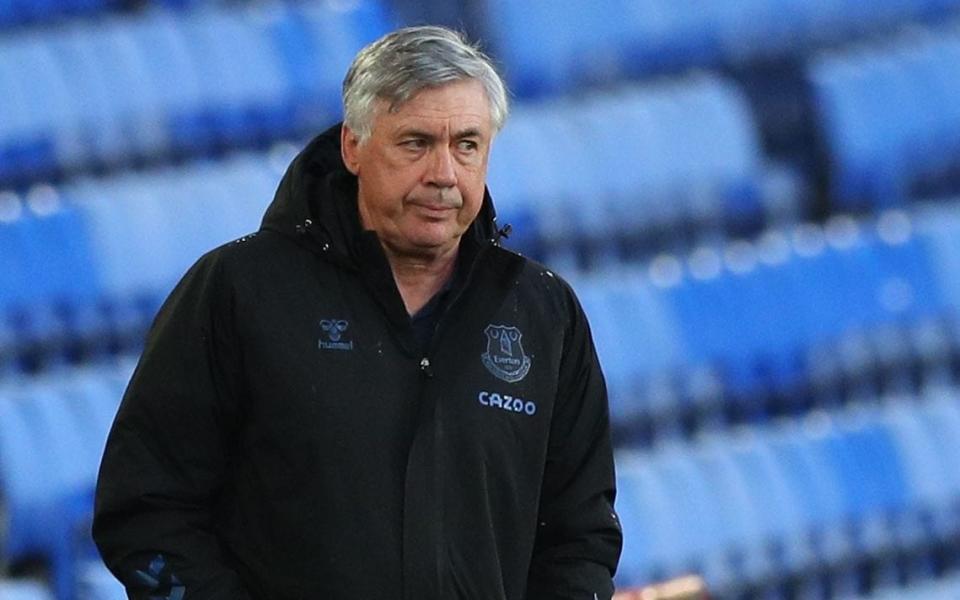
<point>757,201</point>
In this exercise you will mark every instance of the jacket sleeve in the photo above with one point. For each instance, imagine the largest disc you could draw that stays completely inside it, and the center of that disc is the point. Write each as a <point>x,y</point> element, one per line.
<point>169,450</point>
<point>579,538</point>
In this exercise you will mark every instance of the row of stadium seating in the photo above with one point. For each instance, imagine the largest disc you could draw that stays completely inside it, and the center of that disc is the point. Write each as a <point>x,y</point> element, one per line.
<point>946,588</point>
<point>844,501</point>
<point>110,93</point>
<point>549,48</point>
<point>601,176</point>
<point>801,317</point>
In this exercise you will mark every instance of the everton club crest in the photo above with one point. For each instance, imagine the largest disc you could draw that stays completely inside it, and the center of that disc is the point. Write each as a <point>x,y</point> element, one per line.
<point>504,356</point>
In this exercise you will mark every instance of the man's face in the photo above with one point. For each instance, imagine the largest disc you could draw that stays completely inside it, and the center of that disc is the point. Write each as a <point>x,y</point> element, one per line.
<point>421,172</point>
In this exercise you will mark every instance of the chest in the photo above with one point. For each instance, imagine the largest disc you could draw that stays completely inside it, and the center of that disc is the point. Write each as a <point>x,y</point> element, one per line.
<point>327,371</point>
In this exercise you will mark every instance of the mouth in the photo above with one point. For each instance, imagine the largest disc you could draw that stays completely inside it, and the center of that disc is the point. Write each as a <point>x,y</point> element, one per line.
<point>435,209</point>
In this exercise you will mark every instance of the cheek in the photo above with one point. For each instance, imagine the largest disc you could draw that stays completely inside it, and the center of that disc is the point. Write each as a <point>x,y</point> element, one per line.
<point>472,201</point>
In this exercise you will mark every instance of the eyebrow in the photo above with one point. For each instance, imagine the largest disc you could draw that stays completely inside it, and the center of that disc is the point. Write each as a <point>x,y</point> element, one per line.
<point>467,133</point>
<point>426,135</point>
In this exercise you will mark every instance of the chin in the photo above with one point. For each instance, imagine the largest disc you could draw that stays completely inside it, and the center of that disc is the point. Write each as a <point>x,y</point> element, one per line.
<point>434,237</point>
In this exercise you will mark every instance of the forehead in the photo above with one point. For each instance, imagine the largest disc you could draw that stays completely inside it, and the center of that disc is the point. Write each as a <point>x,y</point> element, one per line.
<point>461,104</point>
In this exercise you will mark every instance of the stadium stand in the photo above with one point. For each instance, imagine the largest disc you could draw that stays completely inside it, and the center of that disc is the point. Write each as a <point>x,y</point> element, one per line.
<point>783,360</point>
<point>125,90</point>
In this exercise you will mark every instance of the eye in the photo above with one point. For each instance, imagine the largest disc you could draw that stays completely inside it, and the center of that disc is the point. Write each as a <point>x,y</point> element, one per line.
<point>414,144</point>
<point>467,145</point>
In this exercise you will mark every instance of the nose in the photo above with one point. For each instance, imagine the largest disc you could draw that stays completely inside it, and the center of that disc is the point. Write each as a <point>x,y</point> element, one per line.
<point>441,172</point>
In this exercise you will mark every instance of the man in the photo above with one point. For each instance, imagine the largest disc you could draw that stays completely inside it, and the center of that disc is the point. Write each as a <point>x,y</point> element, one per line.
<point>369,398</point>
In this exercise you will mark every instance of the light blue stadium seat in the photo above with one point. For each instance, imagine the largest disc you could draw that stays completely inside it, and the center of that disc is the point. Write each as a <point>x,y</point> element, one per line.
<point>941,423</point>
<point>161,41</point>
<point>134,92</point>
<point>511,188</point>
<point>240,75</point>
<point>49,283</point>
<point>637,541</point>
<point>817,488</point>
<point>701,531</point>
<point>21,481</point>
<point>337,35</point>
<point>944,588</point>
<point>95,582</point>
<point>651,518</point>
<point>931,497</point>
<point>14,589</point>
<point>54,111</point>
<point>939,227</point>
<point>635,333</point>
<point>743,536</point>
<point>532,44</point>
<point>886,118</point>
<point>26,150</point>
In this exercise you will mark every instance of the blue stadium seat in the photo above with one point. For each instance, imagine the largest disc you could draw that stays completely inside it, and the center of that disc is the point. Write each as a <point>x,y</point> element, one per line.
<point>931,495</point>
<point>161,41</point>
<point>14,589</point>
<point>939,227</point>
<point>776,505</point>
<point>945,588</point>
<point>26,149</point>
<point>95,582</point>
<point>744,537</point>
<point>50,284</point>
<point>701,532</point>
<point>887,119</point>
<point>651,518</point>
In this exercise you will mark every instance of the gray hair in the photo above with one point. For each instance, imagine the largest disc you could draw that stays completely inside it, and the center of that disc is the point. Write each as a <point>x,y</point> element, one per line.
<point>404,62</point>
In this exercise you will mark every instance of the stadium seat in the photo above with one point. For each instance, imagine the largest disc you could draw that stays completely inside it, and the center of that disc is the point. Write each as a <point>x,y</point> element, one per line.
<point>95,582</point>
<point>887,119</point>
<point>14,589</point>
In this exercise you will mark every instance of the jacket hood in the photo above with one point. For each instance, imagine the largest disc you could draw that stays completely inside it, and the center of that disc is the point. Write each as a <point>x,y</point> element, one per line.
<point>315,202</point>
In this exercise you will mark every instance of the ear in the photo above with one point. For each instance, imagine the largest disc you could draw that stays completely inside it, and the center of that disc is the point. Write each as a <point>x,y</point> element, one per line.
<point>349,149</point>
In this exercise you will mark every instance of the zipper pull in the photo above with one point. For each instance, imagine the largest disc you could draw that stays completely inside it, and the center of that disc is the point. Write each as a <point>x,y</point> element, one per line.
<point>425,367</point>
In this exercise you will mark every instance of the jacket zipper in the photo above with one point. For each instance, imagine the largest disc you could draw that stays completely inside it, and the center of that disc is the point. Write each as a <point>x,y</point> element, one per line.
<point>426,368</point>
<point>425,364</point>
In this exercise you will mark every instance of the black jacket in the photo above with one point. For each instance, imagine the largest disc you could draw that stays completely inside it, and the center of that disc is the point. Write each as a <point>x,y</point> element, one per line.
<point>284,437</point>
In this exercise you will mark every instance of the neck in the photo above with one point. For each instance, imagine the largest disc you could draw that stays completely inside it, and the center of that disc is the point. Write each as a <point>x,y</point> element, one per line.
<point>420,277</point>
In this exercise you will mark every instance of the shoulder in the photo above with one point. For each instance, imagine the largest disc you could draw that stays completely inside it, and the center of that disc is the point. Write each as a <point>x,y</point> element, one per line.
<point>547,289</point>
<point>263,254</point>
